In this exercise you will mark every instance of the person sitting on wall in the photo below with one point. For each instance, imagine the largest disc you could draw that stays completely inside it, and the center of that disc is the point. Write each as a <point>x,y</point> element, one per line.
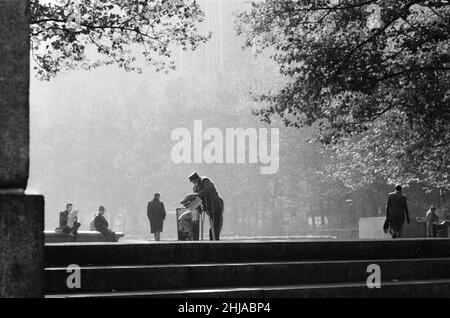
<point>68,221</point>
<point>102,226</point>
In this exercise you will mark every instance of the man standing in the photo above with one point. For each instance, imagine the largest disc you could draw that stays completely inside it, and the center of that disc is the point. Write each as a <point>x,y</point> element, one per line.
<point>397,211</point>
<point>102,226</point>
<point>156,214</point>
<point>212,203</point>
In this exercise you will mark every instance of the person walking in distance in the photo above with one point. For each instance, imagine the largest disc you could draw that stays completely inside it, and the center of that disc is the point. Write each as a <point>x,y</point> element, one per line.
<point>156,215</point>
<point>397,211</point>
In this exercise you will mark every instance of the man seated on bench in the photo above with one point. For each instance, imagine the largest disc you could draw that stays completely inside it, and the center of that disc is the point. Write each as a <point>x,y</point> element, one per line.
<point>102,226</point>
<point>68,221</point>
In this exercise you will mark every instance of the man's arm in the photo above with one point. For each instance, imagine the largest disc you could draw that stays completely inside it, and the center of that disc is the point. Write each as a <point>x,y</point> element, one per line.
<point>163,211</point>
<point>207,186</point>
<point>388,204</point>
<point>62,220</point>
<point>149,210</point>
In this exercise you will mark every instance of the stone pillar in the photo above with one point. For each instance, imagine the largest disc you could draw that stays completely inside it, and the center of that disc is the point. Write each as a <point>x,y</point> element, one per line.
<point>14,88</point>
<point>21,216</point>
<point>21,245</point>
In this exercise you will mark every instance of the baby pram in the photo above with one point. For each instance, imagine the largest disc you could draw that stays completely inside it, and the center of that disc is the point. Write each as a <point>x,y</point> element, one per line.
<point>190,219</point>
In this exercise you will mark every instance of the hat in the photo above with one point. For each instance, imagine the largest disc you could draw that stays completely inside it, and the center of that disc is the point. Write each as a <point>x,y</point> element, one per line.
<point>194,176</point>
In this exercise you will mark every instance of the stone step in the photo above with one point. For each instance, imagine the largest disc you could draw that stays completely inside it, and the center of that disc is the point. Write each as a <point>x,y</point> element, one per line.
<point>83,236</point>
<point>240,252</point>
<point>173,277</point>
<point>413,288</point>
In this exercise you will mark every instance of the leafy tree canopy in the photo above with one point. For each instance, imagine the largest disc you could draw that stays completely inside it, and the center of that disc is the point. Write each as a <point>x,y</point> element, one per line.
<point>64,32</point>
<point>379,70</point>
<point>394,155</point>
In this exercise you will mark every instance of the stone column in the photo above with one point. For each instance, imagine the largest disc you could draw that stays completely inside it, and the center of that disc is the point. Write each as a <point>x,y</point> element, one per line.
<point>21,245</point>
<point>21,216</point>
<point>14,88</point>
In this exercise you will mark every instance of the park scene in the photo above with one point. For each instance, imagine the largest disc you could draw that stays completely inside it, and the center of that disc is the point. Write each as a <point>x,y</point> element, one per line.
<point>225,148</point>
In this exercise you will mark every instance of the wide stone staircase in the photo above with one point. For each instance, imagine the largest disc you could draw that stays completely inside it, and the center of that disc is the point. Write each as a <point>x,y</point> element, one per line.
<point>408,267</point>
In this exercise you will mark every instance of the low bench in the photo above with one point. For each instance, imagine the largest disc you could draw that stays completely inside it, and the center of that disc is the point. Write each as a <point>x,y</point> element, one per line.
<point>83,236</point>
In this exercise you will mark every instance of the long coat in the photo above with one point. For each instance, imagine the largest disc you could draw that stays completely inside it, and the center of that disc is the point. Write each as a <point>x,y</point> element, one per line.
<point>206,191</point>
<point>212,203</point>
<point>156,214</point>
<point>397,209</point>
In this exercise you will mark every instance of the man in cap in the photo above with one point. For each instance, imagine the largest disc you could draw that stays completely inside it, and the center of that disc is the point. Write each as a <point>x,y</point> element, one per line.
<point>102,226</point>
<point>212,203</point>
<point>397,211</point>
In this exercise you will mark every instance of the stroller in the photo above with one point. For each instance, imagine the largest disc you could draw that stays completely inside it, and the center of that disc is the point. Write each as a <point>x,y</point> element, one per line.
<point>190,219</point>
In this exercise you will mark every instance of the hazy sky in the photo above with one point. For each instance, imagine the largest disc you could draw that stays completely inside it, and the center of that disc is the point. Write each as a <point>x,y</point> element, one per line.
<point>70,158</point>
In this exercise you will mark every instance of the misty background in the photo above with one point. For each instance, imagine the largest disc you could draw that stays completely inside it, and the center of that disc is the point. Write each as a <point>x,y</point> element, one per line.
<point>103,137</point>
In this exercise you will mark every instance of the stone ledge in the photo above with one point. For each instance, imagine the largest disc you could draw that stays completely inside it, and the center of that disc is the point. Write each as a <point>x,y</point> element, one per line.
<point>235,251</point>
<point>83,236</point>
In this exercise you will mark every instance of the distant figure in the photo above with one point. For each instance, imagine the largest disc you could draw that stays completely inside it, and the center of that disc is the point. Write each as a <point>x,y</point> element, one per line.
<point>102,226</point>
<point>68,221</point>
<point>397,211</point>
<point>431,218</point>
<point>212,203</point>
<point>156,214</point>
<point>433,223</point>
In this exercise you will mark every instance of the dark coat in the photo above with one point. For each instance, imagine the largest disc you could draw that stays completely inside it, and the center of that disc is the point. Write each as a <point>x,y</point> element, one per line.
<point>101,224</point>
<point>156,214</point>
<point>397,208</point>
<point>63,217</point>
<point>212,203</point>
<point>208,193</point>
